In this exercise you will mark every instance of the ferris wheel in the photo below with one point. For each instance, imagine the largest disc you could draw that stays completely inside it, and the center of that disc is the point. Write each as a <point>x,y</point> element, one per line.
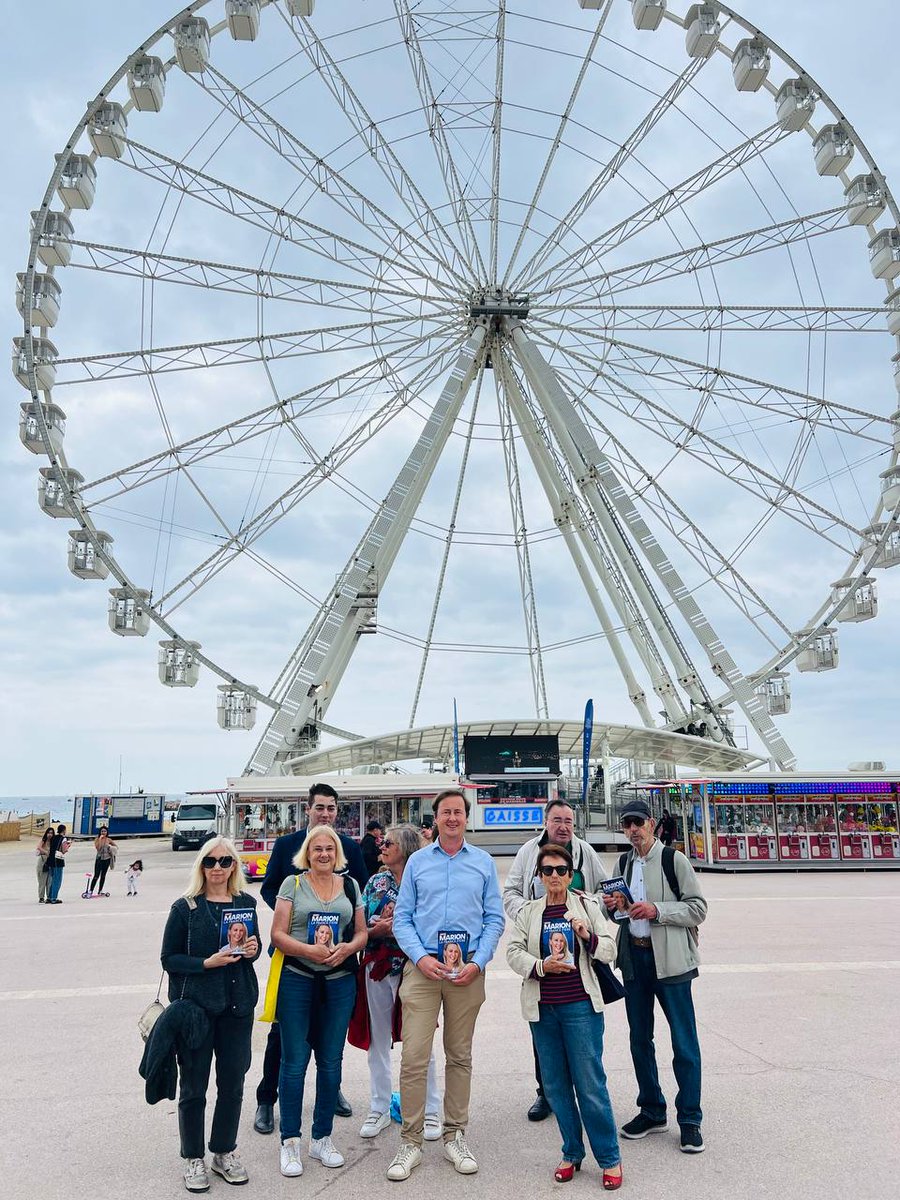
<point>407,345</point>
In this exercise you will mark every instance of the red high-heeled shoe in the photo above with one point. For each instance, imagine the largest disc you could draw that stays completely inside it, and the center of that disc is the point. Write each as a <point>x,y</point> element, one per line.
<point>612,1182</point>
<point>565,1171</point>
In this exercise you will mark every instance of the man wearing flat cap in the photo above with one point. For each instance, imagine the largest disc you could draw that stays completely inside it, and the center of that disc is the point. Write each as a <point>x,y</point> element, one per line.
<point>658,959</point>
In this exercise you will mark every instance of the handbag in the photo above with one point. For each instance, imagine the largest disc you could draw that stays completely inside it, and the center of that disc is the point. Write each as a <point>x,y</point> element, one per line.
<point>152,1012</point>
<point>610,985</point>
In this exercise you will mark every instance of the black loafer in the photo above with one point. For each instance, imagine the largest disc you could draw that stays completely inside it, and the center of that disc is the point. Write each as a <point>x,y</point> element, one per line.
<point>342,1107</point>
<point>264,1121</point>
<point>540,1110</point>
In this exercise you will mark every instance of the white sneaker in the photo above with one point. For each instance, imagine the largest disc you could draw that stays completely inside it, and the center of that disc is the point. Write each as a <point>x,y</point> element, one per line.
<point>404,1162</point>
<point>230,1167</point>
<point>324,1150</point>
<point>434,1127</point>
<point>195,1176</point>
<point>374,1123</point>
<point>290,1158</point>
<point>460,1155</point>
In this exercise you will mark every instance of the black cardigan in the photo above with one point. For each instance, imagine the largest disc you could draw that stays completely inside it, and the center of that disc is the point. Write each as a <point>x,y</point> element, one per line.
<point>232,989</point>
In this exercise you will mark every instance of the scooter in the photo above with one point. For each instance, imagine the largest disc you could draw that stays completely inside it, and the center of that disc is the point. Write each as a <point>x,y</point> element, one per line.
<point>87,894</point>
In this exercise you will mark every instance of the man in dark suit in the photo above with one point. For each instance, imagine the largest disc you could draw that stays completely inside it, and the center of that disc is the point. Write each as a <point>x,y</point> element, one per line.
<point>322,810</point>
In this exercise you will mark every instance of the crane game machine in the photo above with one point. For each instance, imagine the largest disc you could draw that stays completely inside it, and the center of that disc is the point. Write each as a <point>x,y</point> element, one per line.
<point>515,777</point>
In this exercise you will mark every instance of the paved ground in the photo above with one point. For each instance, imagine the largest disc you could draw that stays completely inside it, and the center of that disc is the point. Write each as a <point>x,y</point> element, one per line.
<point>799,1009</point>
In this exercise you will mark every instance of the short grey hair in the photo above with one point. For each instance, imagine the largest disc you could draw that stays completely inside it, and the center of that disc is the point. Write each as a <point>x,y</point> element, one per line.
<point>407,838</point>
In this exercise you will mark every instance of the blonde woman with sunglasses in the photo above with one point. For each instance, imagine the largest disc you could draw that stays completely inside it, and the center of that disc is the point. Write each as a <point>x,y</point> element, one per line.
<point>223,984</point>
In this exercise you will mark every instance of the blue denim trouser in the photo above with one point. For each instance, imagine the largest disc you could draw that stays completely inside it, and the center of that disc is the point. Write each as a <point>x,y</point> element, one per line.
<point>56,878</point>
<point>569,1042</point>
<point>308,1026</point>
<point>677,1005</point>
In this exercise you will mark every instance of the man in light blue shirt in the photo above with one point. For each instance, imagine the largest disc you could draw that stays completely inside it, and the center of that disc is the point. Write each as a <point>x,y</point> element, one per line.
<point>449,897</point>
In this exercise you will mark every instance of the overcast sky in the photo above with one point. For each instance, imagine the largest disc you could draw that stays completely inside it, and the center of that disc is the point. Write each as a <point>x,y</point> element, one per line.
<point>76,699</point>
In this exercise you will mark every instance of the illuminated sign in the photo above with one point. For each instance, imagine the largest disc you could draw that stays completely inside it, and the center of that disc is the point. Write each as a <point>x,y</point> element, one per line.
<point>509,815</point>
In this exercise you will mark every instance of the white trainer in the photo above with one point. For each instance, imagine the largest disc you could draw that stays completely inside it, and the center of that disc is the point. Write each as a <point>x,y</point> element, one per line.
<point>325,1151</point>
<point>460,1155</point>
<point>230,1167</point>
<point>291,1164</point>
<point>434,1127</point>
<point>404,1162</point>
<point>374,1123</point>
<point>195,1176</point>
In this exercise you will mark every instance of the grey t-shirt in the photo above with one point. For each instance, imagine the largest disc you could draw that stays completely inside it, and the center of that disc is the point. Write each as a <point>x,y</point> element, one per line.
<point>297,889</point>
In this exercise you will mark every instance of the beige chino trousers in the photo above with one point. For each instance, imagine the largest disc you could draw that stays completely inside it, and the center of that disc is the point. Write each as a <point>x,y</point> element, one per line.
<point>422,1000</point>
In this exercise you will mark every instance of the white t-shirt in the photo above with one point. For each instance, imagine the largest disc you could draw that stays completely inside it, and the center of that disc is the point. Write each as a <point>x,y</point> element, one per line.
<point>639,892</point>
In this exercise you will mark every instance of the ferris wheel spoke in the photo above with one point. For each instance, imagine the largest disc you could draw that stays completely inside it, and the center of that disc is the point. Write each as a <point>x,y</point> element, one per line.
<point>395,237</point>
<point>437,130</point>
<point>586,61</point>
<point>244,280</point>
<point>497,141</point>
<point>735,248</point>
<point>272,218</point>
<point>323,467</point>
<point>727,318</point>
<point>566,272</point>
<point>727,462</point>
<point>523,553</point>
<point>265,347</point>
<point>377,148</point>
<point>620,158</point>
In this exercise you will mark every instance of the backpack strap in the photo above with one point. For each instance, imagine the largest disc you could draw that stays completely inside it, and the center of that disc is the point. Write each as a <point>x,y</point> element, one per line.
<point>350,892</point>
<point>623,859</point>
<point>668,866</point>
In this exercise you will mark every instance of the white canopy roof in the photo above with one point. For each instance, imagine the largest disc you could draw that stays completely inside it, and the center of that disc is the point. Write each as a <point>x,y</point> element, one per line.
<point>434,743</point>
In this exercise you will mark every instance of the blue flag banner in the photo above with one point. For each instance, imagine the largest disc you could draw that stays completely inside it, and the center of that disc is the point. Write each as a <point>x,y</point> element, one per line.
<point>586,745</point>
<point>455,739</point>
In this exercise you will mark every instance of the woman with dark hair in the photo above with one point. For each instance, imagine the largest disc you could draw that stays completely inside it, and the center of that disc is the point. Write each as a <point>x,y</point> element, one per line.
<point>59,847</point>
<point>564,1004</point>
<point>105,859</point>
<point>222,983</point>
<point>42,850</point>
<point>383,964</point>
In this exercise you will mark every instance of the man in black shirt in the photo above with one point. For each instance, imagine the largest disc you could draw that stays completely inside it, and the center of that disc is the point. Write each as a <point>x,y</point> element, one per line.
<point>371,846</point>
<point>323,801</point>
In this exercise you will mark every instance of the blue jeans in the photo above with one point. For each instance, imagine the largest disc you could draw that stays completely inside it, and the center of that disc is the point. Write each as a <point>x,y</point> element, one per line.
<point>569,1043</point>
<point>678,1008</point>
<point>312,1025</point>
<point>56,878</point>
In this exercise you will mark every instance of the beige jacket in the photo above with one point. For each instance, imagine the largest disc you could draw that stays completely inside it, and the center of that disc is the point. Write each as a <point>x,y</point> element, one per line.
<point>524,949</point>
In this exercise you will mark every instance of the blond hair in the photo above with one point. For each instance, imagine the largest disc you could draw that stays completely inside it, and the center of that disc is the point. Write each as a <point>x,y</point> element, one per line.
<point>301,858</point>
<point>197,881</point>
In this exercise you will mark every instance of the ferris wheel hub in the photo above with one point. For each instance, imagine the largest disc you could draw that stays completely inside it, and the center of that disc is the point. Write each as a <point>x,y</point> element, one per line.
<point>495,304</point>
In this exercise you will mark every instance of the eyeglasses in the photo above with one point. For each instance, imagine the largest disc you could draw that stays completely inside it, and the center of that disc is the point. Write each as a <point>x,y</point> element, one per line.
<point>224,860</point>
<point>548,871</point>
<point>637,822</point>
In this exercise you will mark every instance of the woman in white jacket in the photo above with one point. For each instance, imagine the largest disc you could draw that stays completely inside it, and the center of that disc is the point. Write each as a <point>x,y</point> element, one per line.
<point>564,1004</point>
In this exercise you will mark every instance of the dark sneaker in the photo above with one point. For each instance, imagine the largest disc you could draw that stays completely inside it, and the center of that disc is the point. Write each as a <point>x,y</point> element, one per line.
<point>691,1140</point>
<point>640,1126</point>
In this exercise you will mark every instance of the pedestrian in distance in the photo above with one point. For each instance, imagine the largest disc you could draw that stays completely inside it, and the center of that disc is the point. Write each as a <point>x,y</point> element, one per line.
<point>42,853</point>
<point>371,846</point>
<point>322,809</point>
<point>223,985</point>
<point>563,1003</point>
<point>448,877</point>
<point>383,962</point>
<point>132,875</point>
<point>524,883</point>
<point>317,990</point>
<point>657,955</point>
<point>56,861</point>
<point>666,828</point>
<point>105,851</point>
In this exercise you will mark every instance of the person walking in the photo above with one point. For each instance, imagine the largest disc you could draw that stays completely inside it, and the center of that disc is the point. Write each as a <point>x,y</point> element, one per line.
<point>42,853</point>
<point>223,985</point>
<point>132,875</point>
<point>563,1004</point>
<point>105,850</point>
<point>322,809</point>
<point>371,846</point>
<point>448,881</point>
<point>56,861</point>
<point>657,954</point>
<point>666,829</point>
<point>317,989</point>
<point>383,962</point>
<point>524,883</point>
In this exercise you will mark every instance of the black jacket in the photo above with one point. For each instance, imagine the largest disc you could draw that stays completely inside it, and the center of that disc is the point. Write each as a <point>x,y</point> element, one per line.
<point>281,863</point>
<point>182,1026</point>
<point>190,937</point>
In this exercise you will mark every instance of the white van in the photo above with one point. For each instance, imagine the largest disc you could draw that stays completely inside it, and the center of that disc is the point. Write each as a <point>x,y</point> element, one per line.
<point>196,821</point>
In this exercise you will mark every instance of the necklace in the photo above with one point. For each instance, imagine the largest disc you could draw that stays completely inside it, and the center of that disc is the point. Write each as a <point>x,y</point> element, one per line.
<point>325,899</point>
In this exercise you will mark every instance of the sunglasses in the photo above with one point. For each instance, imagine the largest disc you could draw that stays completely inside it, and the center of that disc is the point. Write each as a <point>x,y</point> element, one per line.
<point>548,871</point>
<point>637,822</point>
<point>385,842</point>
<point>208,862</point>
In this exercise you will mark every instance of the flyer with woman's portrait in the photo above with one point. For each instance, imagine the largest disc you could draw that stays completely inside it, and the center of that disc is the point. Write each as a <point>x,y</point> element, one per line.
<point>558,942</point>
<point>322,929</point>
<point>452,950</point>
<point>238,926</point>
